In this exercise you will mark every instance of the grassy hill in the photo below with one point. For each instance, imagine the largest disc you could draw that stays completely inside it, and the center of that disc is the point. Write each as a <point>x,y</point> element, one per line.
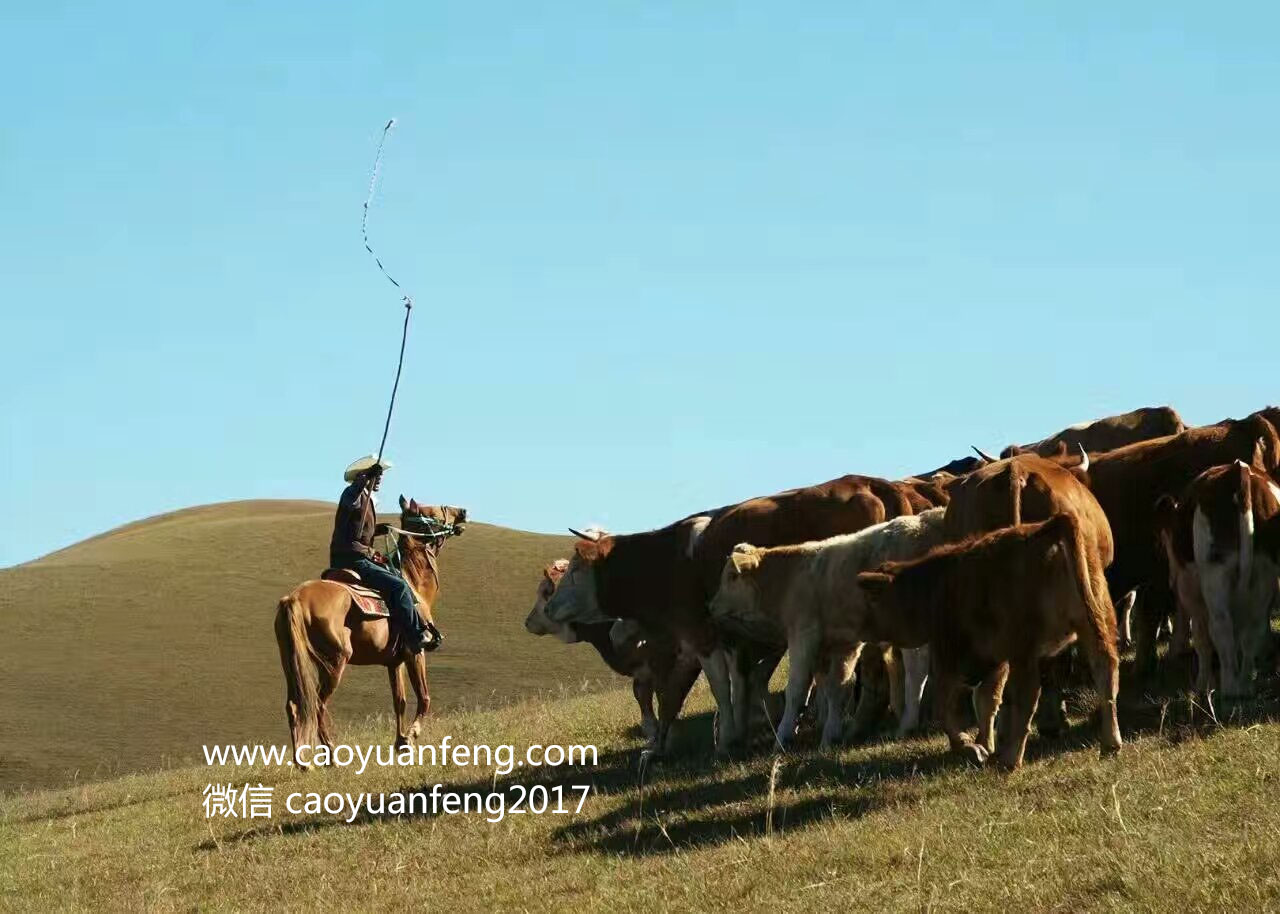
<point>133,648</point>
<point>1188,815</point>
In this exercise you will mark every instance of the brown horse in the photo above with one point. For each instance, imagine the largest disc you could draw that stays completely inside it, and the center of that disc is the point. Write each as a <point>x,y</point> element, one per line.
<point>320,630</point>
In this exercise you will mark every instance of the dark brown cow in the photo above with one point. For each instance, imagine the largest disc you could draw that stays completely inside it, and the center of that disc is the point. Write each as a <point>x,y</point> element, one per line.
<point>1130,480</point>
<point>1100,435</point>
<point>1026,489</point>
<point>649,661</point>
<point>1225,583</point>
<point>1107,434</point>
<point>665,578</point>
<point>990,609</point>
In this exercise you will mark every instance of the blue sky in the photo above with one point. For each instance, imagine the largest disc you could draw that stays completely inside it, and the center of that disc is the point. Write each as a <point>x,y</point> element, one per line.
<point>666,255</point>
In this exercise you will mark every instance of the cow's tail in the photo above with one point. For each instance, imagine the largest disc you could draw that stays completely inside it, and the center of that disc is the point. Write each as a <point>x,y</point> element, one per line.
<point>1243,500</point>
<point>302,679</point>
<point>1101,617</point>
<point>1017,482</point>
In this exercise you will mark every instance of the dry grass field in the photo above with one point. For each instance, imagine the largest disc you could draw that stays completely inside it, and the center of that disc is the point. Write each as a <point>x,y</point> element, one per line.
<point>129,650</point>
<point>1187,818</point>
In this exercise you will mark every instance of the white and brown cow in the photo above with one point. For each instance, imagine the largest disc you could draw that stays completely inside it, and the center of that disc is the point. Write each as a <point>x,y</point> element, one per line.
<point>990,608</point>
<point>804,594</point>
<point>1225,584</point>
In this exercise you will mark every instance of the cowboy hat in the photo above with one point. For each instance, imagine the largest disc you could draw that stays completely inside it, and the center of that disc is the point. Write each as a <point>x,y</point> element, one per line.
<point>364,464</point>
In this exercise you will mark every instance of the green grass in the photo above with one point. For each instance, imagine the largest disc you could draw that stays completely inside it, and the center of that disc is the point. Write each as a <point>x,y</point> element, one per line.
<point>129,650</point>
<point>1187,817</point>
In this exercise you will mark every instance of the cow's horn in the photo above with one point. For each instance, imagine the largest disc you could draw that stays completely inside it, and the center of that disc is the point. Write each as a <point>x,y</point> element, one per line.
<point>987,457</point>
<point>582,536</point>
<point>1084,459</point>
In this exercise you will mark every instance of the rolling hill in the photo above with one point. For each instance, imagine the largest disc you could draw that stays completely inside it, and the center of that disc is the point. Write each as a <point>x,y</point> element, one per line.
<point>133,648</point>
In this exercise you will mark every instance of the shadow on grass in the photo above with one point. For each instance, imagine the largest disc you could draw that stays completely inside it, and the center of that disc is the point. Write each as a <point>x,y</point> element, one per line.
<point>689,801</point>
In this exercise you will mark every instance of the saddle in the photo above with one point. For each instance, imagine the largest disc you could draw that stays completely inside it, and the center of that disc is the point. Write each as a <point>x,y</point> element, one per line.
<point>368,603</point>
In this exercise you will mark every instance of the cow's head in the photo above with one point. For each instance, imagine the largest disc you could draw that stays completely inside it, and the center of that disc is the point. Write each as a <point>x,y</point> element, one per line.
<point>421,518</point>
<point>738,596</point>
<point>575,598</point>
<point>537,622</point>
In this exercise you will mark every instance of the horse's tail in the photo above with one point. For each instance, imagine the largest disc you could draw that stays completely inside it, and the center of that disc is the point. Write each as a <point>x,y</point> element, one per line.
<point>302,704</point>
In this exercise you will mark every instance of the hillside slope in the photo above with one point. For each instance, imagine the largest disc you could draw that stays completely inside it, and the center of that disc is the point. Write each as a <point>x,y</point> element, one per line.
<point>134,647</point>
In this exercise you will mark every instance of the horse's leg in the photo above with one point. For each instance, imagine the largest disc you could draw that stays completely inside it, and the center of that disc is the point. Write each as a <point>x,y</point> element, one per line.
<point>398,702</point>
<point>329,679</point>
<point>417,667</point>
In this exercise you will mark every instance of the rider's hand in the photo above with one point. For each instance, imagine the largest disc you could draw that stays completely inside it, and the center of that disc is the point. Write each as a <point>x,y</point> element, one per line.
<point>379,558</point>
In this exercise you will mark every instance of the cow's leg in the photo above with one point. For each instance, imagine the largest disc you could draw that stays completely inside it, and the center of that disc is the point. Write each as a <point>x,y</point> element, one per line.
<point>839,679</point>
<point>758,687</point>
<point>739,659</point>
<point>1191,604</point>
<point>986,700</point>
<point>803,647</point>
<point>417,667</point>
<point>1054,672</point>
<point>1154,606</point>
<point>1180,641</point>
<point>949,685</point>
<point>1105,665</point>
<point>915,673</point>
<point>672,691</point>
<point>893,673</point>
<point>1023,691</point>
<point>1124,619</point>
<point>873,696</point>
<point>398,702</point>
<point>716,667</point>
<point>1216,583</point>
<point>642,689</point>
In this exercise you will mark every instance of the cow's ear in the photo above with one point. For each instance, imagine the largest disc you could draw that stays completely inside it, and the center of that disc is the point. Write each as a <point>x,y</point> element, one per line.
<point>874,582</point>
<point>555,571</point>
<point>745,558</point>
<point>594,550</point>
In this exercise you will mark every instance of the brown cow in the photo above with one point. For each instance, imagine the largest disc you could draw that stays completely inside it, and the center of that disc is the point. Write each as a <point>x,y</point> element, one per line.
<point>1107,434</point>
<point>1224,583</point>
<point>1130,480</point>
<point>665,578</point>
<point>1099,435</point>
<point>648,660</point>
<point>990,608</point>
<point>1025,489</point>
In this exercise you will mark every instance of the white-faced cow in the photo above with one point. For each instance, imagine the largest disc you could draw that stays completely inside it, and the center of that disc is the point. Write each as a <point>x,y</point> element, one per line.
<point>653,663</point>
<point>1225,584</point>
<point>1129,481</point>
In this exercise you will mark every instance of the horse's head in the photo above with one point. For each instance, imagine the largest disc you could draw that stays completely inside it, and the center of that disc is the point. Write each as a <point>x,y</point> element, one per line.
<point>436,520</point>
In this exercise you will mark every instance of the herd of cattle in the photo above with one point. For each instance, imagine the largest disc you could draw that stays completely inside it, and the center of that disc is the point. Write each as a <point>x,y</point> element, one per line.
<point>971,576</point>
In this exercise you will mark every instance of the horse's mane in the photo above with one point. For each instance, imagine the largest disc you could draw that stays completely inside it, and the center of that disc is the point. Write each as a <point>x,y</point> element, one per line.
<point>416,563</point>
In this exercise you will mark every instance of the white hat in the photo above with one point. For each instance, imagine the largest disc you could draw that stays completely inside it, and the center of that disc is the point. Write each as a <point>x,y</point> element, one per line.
<point>364,463</point>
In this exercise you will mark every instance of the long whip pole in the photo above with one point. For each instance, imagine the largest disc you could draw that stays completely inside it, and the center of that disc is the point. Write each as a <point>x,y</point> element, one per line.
<point>405,297</point>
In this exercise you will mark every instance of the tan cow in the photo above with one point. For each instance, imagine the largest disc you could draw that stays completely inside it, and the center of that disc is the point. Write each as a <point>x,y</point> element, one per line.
<point>990,608</point>
<point>1224,584</point>
<point>806,593</point>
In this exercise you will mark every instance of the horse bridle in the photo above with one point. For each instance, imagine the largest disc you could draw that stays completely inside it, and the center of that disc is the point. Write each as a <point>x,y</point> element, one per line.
<point>437,533</point>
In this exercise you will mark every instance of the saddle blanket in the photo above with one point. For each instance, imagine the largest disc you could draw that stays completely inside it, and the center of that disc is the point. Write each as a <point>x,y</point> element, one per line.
<point>367,602</point>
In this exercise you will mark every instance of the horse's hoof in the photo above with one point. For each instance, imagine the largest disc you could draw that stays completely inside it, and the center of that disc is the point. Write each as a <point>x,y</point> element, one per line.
<point>973,754</point>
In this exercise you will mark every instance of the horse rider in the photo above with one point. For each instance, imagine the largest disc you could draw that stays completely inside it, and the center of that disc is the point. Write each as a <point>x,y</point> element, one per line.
<point>354,527</point>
